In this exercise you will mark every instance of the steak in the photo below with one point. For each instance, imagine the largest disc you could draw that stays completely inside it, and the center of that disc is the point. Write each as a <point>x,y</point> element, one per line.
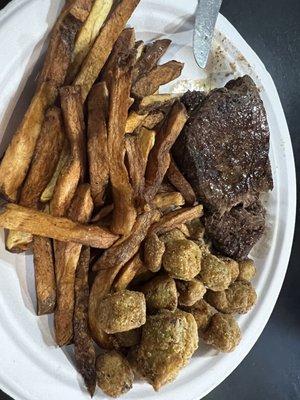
<point>223,149</point>
<point>236,231</point>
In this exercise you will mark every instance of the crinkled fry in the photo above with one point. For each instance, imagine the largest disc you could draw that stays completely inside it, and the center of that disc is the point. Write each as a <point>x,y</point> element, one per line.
<point>40,223</point>
<point>97,142</point>
<point>74,169</point>
<point>150,57</point>
<point>159,75</point>
<point>124,213</point>
<point>176,218</point>
<point>85,355</point>
<point>88,34</point>
<point>45,284</point>
<point>109,266</point>
<point>181,184</point>
<point>66,259</point>
<point>102,47</point>
<point>159,157</point>
<point>127,273</point>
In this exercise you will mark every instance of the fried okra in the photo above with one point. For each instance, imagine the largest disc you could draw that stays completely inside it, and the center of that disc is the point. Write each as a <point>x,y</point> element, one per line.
<point>174,234</point>
<point>122,311</point>
<point>114,374</point>
<point>238,298</point>
<point>128,339</point>
<point>233,266</point>
<point>202,312</point>
<point>182,259</point>
<point>223,333</point>
<point>190,291</point>
<point>215,273</point>
<point>154,249</point>
<point>247,270</point>
<point>160,294</point>
<point>196,229</point>
<point>169,340</point>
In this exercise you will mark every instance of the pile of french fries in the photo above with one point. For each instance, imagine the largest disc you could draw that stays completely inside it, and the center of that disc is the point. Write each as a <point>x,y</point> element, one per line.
<point>90,168</point>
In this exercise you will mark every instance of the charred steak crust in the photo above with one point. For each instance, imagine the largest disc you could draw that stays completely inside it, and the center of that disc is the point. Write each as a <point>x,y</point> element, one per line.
<point>236,231</point>
<point>223,149</point>
<point>192,100</point>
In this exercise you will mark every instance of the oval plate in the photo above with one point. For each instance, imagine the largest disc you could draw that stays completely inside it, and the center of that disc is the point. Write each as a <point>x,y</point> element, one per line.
<point>31,366</point>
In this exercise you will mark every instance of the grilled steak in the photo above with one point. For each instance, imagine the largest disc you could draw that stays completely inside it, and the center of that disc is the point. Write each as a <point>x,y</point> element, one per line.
<point>192,100</point>
<point>223,149</point>
<point>236,231</point>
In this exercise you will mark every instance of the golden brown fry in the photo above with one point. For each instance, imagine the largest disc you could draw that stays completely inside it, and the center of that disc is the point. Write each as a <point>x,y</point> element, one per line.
<point>63,158</point>
<point>39,223</point>
<point>153,119</point>
<point>17,158</point>
<point>138,148</point>
<point>124,211</point>
<point>168,200</point>
<point>18,242</point>
<point>88,34</point>
<point>83,343</point>
<point>150,57</point>
<point>176,218</point>
<point>103,45</point>
<point>62,40</point>
<point>44,275</point>
<point>127,273</point>
<point>66,259</point>
<point>160,75</point>
<point>134,121</point>
<point>181,184</point>
<point>159,157</point>
<point>109,266</point>
<point>124,44</point>
<point>156,101</point>
<point>45,159</point>
<point>97,142</point>
<point>74,169</point>
<point>103,213</point>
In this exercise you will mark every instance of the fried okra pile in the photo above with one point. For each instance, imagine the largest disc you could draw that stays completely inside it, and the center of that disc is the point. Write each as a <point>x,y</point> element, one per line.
<point>181,296</point>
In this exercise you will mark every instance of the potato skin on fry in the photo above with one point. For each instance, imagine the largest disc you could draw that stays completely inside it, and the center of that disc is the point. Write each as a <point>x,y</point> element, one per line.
<point>160,75</point>
<point>181,184</point>
<point>128,272</point>
<point>85,355</point>
<point>97,142</point>
<point>103,45</point>
<point>124,214</point>
<point>114,374</point>
<point>159,157</point>
<point>44,275</point>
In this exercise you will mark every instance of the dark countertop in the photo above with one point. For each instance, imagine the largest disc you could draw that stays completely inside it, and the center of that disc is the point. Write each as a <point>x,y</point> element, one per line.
<point>272,370</point>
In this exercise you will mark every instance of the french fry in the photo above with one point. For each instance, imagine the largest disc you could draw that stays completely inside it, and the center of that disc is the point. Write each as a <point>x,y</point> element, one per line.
<point>180,183</point>
<point>103,213</point>
<point>87,35</point>
<point>160,75</point>
<point>168,200</point>
<point>44,275</point>
<point>18,242</point>
<point>156,102</point>
<point>150,57</point>
<point>66,259</point>
<point>134,121</point>
<point>124,214</point>
<point>74,169</point>
<point>153,119</point>
<point>159,157</point>
<point>109,266</point>
<point>47,194</point>
<point>127,273</point>
<point>13,216</point>
<point>176,218</point>
<point>138,148</point>
<point>97,142</point>
<point>103,45</point>
<point>17,158</point>
<point>85,355</point>
<point>124,43</point>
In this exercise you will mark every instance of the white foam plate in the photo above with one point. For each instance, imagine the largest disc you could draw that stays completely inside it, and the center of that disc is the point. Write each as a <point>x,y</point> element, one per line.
<point>31,366</point>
